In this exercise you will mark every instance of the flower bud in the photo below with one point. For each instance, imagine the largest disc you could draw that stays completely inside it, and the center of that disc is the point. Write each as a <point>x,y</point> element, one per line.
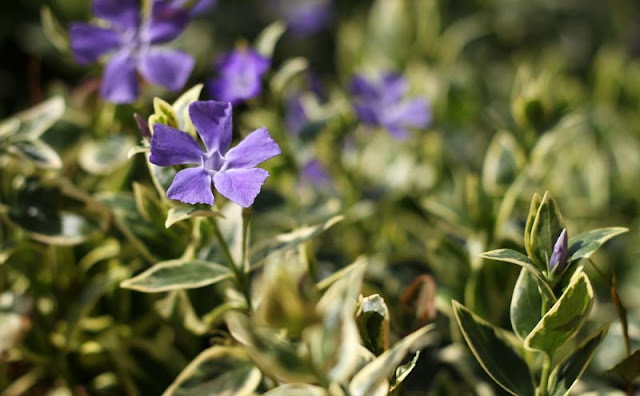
<point>559,256</point>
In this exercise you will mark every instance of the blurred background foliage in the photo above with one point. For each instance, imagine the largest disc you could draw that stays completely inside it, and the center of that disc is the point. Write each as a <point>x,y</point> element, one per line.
<point>527,96</point>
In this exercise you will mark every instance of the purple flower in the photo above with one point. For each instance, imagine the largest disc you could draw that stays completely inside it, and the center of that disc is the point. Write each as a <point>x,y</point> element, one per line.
<point>559,256</point>
<point>296,117</point>
<point>233,171</point>
<point>304,17</point>
<point>132,44</point>
<point>314,172</point>
<point>379,103</point>
<point>200,6</point>
<point>239,76</point>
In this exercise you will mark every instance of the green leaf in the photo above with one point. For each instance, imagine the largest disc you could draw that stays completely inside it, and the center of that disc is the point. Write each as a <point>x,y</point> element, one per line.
<point>567,373</point>
<point>163,108</point>
<point>181,108</point>
<point>372,318</point>
<point>585,244</point>
<point>53,30</point>
<point>297,390</point>
<point>565,317</point>
<point>35,121</point>
<point>38,152</point>
<point>272,353</point>
<point>148,204</point>
<point>102,157</point>
<point>533,210</point>
<point>177,275</point>
<point>266,42</point>
<point>333,345</point>
<point>374,375</point>
<point>403,371</point>
<point>218,371</point>
<point>51,216</point>
<point>287,71</point>
<point>502,164</point>
<point>629,368</point>
<point>545,231</point>
<point>514,257</point>
<point>494,354</point>
<point>181,213</point>
<point>526,304</point>
<point>290,240</point>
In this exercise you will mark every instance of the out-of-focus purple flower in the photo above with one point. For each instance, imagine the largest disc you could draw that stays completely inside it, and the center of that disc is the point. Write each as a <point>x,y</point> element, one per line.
<point>239,76</point>
<point>197,7</point>
<point>314,172</point>
<point>560,251</point>
<point>304,17</point>
<point>296,117</point>
<point>233,171</point>
<point>133,45</point>
<point>381,103</point>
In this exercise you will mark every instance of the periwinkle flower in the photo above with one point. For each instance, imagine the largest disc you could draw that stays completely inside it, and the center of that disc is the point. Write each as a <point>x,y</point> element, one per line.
<point>133,45</point>
<point>315,173</point>
<point>558,258</point>
<point>304,17</point>
<point>239,75</point>
<point>381,103</point>
<point>197,7</point>
<point>233,171</point>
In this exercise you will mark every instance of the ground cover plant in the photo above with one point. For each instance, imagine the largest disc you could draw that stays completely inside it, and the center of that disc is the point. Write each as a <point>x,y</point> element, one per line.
<point>317,197</point>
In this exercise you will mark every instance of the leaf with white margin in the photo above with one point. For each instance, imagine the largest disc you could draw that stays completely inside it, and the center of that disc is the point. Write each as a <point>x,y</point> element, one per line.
<point>181,213</point>
<point>218,371</point>
<point>177,275</point>
<point>567,373</point>
<point>297,390</point>
<point>565,317</point>
<point>374,376</point>
<point>585,244</point>
<point>266,42</point>
<point>292,239</point>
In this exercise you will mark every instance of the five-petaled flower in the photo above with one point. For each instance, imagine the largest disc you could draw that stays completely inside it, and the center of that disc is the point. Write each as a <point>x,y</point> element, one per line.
<point>133,42</point>
<point>239,76</point>
<point>379,103</point>
<point>233,171</point>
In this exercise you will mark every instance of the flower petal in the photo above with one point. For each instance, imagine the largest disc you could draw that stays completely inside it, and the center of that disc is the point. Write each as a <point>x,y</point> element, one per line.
<point>213,121</point>
<point>89,42</point>
<point>256,148</point>
<point>124,14</point>
<point>169,68</point>
<point>398,132</point>
<point>394,86</point>
<point>192,186</point>
<point>363,88</point>
<point>367,113</point>
<point>166,23</point>
<point>414,113</point>
<point>120,82</point>
<point>170,146</point>
<point>239,76</point>
<point>242,186</point>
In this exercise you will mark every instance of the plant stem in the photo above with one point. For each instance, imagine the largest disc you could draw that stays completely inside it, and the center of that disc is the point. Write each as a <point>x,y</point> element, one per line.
<point>240,275</point>
<point>544,377</point>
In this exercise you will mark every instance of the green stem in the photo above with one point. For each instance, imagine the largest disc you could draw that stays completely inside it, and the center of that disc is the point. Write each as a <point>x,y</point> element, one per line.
<point>544,377</point>
<point>240,275</point>
<point>246,221</point>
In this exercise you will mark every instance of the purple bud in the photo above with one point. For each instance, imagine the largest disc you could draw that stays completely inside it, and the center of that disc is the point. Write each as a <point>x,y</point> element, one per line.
<point>143,126</point>
<point>559,256</point>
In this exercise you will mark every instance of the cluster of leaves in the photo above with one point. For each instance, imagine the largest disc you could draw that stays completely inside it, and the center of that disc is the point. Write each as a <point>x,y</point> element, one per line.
<point>343,285</point>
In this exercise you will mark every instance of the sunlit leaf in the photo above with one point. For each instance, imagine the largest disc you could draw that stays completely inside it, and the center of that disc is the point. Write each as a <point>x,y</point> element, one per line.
<point>177,275</point>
